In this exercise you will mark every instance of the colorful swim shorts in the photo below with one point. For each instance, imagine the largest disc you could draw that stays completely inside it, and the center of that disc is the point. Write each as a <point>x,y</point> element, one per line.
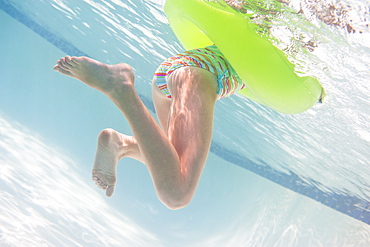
<point>209,58</point>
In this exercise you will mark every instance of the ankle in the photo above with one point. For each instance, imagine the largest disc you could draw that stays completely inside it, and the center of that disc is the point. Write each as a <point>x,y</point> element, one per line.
<point>122,90</point>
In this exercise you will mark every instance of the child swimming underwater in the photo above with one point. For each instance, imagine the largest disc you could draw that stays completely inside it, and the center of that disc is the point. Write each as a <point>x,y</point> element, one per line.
<point>185,88</point>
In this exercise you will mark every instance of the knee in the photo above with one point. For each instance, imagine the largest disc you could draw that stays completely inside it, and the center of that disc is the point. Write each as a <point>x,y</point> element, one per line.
<point>175,204</point>
<point>175,201</point>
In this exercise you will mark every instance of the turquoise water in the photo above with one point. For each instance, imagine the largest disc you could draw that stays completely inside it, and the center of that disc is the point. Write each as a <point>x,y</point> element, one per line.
<point>270,180</point>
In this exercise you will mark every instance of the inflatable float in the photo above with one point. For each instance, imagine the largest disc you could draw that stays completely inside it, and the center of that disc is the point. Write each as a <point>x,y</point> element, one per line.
<point>268,75</point>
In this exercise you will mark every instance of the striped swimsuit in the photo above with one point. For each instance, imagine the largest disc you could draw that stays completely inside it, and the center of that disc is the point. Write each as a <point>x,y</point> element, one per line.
<point>209,58</point>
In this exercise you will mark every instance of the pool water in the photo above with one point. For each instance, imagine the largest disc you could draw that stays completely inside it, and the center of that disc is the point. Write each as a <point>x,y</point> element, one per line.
<point>270,180</point>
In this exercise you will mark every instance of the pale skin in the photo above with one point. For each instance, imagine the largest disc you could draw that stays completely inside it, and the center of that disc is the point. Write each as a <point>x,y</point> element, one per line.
<point>174,151</point>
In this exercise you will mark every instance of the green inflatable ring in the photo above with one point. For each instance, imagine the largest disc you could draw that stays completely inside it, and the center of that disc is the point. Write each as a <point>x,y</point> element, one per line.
<point>268,75</point>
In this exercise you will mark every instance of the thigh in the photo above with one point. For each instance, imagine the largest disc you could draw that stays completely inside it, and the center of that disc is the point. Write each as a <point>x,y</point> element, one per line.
<point>190,121</point>
<point>162,106</point>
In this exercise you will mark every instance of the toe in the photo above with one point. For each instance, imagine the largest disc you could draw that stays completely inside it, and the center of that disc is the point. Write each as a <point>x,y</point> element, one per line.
<point>66,62</point>
<point>62,70</point>
<point>98,182</point>
<point>76,60</point>
<point>103,186</point>
<point>69,61</point>
<point>109,191</point>
<point>63,64</point>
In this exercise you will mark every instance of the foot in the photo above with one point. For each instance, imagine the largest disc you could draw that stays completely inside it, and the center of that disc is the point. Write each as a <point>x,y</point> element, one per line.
<point>103,77</point>
<point>112,146</point>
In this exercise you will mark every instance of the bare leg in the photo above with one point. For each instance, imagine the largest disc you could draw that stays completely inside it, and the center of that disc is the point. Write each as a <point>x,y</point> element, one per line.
<point>112,146</point>
<point>175,157</point>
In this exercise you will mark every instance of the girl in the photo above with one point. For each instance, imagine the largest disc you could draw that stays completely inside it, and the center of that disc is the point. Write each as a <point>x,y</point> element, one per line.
<point>185,88</point>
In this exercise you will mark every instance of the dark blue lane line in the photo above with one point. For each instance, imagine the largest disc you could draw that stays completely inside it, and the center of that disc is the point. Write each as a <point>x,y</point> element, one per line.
<point>55,40</point>
<point>349,205</point>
